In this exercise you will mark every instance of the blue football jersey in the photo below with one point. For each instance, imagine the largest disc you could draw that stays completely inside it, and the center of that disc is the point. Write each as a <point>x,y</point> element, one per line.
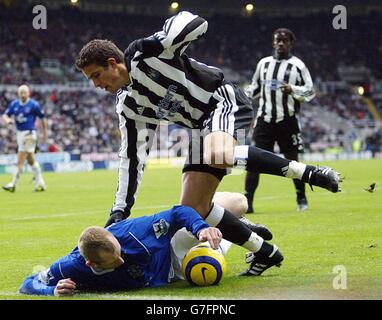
<point>145,248</point>
<point>25,115</point>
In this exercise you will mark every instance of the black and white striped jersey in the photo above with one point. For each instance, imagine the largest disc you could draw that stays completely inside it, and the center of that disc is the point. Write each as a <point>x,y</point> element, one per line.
<point>170,85</point>
<point>165,85</point>
<point>275,105</point>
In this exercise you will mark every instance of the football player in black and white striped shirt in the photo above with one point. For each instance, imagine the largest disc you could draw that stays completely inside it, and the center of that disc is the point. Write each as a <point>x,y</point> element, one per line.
<point>155,80</point>
<point>282,82</point>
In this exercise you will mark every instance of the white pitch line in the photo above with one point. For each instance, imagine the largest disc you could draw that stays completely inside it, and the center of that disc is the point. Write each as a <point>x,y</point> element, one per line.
<point>57,215</point>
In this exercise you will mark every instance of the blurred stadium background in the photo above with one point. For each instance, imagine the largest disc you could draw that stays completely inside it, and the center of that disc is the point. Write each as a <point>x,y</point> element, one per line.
<point>343,122</point>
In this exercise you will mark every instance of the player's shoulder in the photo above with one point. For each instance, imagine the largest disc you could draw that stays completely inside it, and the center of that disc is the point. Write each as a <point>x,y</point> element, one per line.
<point>265,59</point>
<point>297,62</point>
<point>69,265</point>
<point>34,102</point>
<point>14,103</point>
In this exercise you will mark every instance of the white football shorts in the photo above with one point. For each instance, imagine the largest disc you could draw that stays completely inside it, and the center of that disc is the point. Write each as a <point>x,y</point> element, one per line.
<point>26,141</point>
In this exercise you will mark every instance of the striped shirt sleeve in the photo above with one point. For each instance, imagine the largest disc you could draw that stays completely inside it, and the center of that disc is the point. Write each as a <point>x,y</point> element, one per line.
<point>179,30</point>
<point>137,138</point>
<point>253,90</point>
<point>304,92</point>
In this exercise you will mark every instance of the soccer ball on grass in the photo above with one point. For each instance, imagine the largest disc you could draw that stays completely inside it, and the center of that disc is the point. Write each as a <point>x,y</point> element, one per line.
<point>203,266</point>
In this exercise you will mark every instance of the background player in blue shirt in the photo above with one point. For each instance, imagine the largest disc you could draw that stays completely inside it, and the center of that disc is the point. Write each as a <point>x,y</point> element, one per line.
<point>23,112</point>
<point>134,253</point>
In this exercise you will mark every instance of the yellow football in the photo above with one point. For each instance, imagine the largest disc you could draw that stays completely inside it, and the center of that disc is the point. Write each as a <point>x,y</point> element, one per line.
<point>203,266</point>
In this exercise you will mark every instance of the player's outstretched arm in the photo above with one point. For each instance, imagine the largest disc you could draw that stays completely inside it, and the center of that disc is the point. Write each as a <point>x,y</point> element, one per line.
<point>178,31</point>
<point>137,138</point>
<point>33,285</point>
<point>181,29</point>
<point>65,287</point>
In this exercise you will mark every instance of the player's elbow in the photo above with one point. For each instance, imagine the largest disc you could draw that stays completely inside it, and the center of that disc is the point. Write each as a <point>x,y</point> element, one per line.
<point>310,96</point>
<point>25,286</point>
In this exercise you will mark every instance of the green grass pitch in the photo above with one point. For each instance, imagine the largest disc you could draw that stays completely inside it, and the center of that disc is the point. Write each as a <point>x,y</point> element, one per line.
<point>341,229</point>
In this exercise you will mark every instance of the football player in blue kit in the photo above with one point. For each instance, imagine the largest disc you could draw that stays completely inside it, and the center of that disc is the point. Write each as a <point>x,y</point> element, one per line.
<point>23,112</point>
<point>135,253</point>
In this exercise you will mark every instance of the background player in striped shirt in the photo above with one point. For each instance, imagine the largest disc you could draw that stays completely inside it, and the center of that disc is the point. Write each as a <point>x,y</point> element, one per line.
<point>155,80</point>
<point>23,112</point>
<point>282,82</point>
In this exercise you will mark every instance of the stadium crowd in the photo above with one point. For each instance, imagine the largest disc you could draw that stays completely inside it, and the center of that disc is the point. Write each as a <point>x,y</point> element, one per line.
<point>228,45</point>
<point>82,121</point>
<point>78,121</point>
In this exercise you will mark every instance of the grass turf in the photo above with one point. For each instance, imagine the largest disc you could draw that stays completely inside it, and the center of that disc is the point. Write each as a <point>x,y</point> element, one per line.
<point>338,230</point>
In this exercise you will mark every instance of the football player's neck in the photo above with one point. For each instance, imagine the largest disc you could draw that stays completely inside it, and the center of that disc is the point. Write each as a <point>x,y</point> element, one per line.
<point>24,101</point>
<point>125,74</point>
<point>282,55</point>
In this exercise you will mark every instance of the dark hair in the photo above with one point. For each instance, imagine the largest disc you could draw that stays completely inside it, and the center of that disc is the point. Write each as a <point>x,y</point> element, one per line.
<point>98,52</point>
<point>288,32</point>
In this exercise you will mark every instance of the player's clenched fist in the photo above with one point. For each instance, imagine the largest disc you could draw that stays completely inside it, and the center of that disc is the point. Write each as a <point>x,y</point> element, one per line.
<point>65,287</point>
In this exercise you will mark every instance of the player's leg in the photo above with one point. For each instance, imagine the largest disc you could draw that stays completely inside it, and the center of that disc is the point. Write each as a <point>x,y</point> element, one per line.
<point>30,143</point>
<point>256,160</point>
<point>21,157</point>
<point>291,144</point>
<point>37,175</point>
<point>237,204</point>
<point>301,199</point>
<point>264,138</point>
<point>11,186</point>
<point>198,189</point>
<point>221,149</point>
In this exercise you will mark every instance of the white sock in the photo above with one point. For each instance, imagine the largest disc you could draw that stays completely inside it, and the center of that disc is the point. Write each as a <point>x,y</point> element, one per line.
<point>215,215</point>
<point>240,156</point>
<point>295,170</point>
<point>16,177</point>
<point>224,246</point>
<point>254,242</point>
<point>37,174</point>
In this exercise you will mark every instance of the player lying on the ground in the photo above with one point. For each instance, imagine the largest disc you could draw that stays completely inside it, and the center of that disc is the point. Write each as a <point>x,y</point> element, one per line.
<point>136,253</point>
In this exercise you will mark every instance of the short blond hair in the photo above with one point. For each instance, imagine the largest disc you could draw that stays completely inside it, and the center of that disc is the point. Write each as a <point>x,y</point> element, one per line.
<point>93,240</point>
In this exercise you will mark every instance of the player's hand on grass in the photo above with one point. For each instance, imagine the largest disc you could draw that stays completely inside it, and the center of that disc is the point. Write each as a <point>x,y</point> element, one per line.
<point>65,287</point>
<point>212,235</point>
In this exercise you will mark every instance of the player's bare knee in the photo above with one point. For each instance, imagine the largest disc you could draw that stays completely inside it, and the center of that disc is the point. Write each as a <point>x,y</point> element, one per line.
<point>241,203</point>
<point>234,202</point>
